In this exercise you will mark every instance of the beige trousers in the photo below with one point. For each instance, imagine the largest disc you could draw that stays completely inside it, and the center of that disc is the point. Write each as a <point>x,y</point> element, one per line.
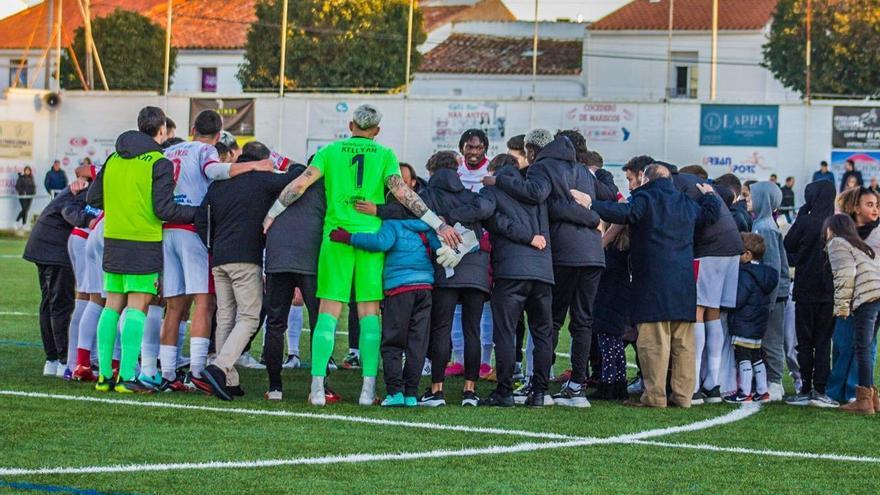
<point>239,289</point>
<point>667,345</point>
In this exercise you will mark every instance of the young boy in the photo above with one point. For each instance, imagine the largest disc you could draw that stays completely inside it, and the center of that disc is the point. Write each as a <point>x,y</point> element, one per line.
<point>408,278</point>
<point>748,322</point>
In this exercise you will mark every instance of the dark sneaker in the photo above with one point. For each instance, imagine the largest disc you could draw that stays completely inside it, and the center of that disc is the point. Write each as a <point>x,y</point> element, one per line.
<point>698,399</point>
<point>712,396</point>
<point>497,400</point>
<point>217,379</point>
<point>539,399</point>
<point>432,399</point>
<point>175,385</point>
<point>197,384</point>
<point>104,384</point>
<point>469,399</point>
<point>133,387</point>
<point>738,398</point>
<point>522,393</point>
<point>235,391</point>
<point>765,397</point>
<point>822,400</point>
<point>570,397</point>
<point>798,400</point>
<point>351,362</point>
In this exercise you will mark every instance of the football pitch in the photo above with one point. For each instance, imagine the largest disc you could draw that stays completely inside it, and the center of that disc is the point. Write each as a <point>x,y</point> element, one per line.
<point>63,437</point>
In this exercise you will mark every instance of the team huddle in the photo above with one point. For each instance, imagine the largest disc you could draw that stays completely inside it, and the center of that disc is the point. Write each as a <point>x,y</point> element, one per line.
<point>486,256</point>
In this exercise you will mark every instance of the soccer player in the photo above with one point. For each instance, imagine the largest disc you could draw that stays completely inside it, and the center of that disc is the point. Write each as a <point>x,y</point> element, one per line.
<point>353,169</point>
<point>186,274</point>
<point>136,191</point>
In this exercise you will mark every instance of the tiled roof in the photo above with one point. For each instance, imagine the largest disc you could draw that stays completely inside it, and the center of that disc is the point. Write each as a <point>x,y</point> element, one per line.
<point>688,15</point>
<point>196,23</point>
<point>438,16</point>
<point>476,54</point>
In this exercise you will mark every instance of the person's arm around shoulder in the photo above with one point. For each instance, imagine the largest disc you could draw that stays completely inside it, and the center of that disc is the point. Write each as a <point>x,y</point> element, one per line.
<point>164,205</point>
<point>843,268</point>
<point>710,205</point>
<point>292,192</point>
<point>95,195</point>
<point>381,241</point>
<point>533,190</point>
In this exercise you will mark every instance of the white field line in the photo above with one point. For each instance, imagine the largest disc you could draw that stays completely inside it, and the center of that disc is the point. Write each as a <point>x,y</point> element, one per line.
<point>762,452</point>
<point>730,417</point>
<point>17,313</point>
<point>290,414</point>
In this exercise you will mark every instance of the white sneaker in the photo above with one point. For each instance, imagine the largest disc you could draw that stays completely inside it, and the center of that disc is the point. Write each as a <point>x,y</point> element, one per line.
<point>51,368</point>
<point>59,371</point>
<point>316,397</point>
<point>248,361</point>
<point>273,395</point>
<point>776,392</point>
<point>368,391</point>
<point>291,363</point>
<point>426,370</point>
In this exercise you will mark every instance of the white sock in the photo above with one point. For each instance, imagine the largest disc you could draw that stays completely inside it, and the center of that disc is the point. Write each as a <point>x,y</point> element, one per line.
<point>181,338</point>
<point>699,345</point>
<point>760,377</point>
<point>88,326</point>
<point>79,307</point>
<point>745,377</point>
<point>294,329</point>
<point>714,346</point>
<point>168,358</point>
<point>150,342</point>
<point>198,355</point>
<point>486,353</point>
<point>356,352</point>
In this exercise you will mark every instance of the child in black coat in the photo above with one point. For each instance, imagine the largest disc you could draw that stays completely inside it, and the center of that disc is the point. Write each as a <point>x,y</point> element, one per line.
<point>748,321</point>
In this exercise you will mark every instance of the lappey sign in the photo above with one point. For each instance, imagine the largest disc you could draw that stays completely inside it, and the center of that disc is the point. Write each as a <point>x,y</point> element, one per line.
<point>739,125</point>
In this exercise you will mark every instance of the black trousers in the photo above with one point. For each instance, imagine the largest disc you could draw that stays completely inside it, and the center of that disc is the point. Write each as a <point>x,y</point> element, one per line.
<point>406,320</point>
<point>56,307</point>
<point>520,339</point>
<point>814,323</point>
<point>442,311</point>
<point>575,293</point>
<point>279,294</point>
<point>354,324</point>
<point>509,299</point>
<point>25,207</point>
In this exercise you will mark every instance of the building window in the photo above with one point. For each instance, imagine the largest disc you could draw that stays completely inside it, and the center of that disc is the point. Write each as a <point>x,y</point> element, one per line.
<point>18,73</point>
<point>684,81</point>
<point>209,79</point>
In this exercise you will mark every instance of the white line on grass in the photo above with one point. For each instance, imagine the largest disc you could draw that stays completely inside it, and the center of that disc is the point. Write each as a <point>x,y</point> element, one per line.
<point>282,413</point>
<point>730,417</point>
<point>17,313</point>
<point>764,452</point>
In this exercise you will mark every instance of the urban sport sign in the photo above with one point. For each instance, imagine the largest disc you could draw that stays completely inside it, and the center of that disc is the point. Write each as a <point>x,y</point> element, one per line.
<point>739,125</point>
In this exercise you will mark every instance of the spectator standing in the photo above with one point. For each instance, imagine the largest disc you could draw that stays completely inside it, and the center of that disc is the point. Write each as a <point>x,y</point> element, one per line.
<point>823,173</point>
<point>786,207</point>
<point>25,188</point>
<point>850,171</point>
<point>56,179</point>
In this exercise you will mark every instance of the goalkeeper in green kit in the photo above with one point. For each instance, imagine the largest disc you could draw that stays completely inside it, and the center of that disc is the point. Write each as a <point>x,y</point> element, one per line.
<point>354,169</point>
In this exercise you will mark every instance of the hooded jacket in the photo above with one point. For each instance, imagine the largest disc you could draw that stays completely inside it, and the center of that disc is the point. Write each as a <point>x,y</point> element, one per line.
<point>447,197</point>
<point>805,245</point>
<point>47,244</point>
<point>408,246</point>
<point>856,276</point>
<point>663,221</point>
<point>613,297</point>
<point>140,257</point>
<point>766,199</point>
<point>294,241</point>
<point>511,230</point>
<point>574,234</point>
<point>741,215</point>
<point>754,295</point>
<point>720,238</point>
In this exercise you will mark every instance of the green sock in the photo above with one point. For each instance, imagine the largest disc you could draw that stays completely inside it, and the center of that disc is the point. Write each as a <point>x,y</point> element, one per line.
<point>371,338</point>
<point>132,334</point>
<point>322,343</point>
<point>107,341</point>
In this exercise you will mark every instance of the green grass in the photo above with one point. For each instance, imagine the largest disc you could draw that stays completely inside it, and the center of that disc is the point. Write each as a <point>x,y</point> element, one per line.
<point>39,432</point>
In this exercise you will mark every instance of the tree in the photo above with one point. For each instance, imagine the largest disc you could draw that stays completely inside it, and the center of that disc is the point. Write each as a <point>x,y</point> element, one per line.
<point>331,44</point>
<point>132,51</point>
<point>844,58</point>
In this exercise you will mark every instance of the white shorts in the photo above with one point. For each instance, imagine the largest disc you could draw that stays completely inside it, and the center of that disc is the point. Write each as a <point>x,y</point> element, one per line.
<point>95,257</point>
<point>76,249</point>
<point>717,277</point>
<point>186,270</point>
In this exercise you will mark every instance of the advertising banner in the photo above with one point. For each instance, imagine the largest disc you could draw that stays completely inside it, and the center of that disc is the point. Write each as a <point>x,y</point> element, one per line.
<point>16,140</point>
<point>739,125</point>
<point>601,122</point>
<point>867,162</point>
<point>239,114</point>
<point>452,119</point>
<point>855,128</point>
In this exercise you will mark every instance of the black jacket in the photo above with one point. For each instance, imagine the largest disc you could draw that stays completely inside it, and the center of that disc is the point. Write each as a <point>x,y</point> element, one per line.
<point>47,244</point>
<point>294,241</point>
<point>138,257</point>
<point>511,230</point>
<point>846,175</point>
<point>613,298</point>
<point>805,246</point>
<point>787,203</point>
<point>77,213</point>
<point>25,186</point>
<point>573,228</point>
<point>447,197</point>
<point>55,180</point>
<point>754,292</point>
<point>741,215</point>
<point>662,223</point>
<point>720,238</point>
<point>230,219</point>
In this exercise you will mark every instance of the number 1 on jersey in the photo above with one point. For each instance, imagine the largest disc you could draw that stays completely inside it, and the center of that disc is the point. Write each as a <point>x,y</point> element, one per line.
<point>358,160</point>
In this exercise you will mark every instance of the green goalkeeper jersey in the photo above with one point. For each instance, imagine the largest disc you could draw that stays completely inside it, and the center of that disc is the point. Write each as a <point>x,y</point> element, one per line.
<point>354,169</point>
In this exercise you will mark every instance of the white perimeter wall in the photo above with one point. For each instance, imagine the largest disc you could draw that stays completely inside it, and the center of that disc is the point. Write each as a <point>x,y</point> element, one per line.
<point>418,127</point>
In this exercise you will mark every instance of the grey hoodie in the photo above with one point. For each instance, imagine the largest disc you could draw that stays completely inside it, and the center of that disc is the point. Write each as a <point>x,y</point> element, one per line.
<point>766,198</point>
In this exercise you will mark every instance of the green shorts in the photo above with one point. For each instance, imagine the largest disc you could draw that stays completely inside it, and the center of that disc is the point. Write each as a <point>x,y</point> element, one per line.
<point>123,283</point>
<point>338,263</point>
